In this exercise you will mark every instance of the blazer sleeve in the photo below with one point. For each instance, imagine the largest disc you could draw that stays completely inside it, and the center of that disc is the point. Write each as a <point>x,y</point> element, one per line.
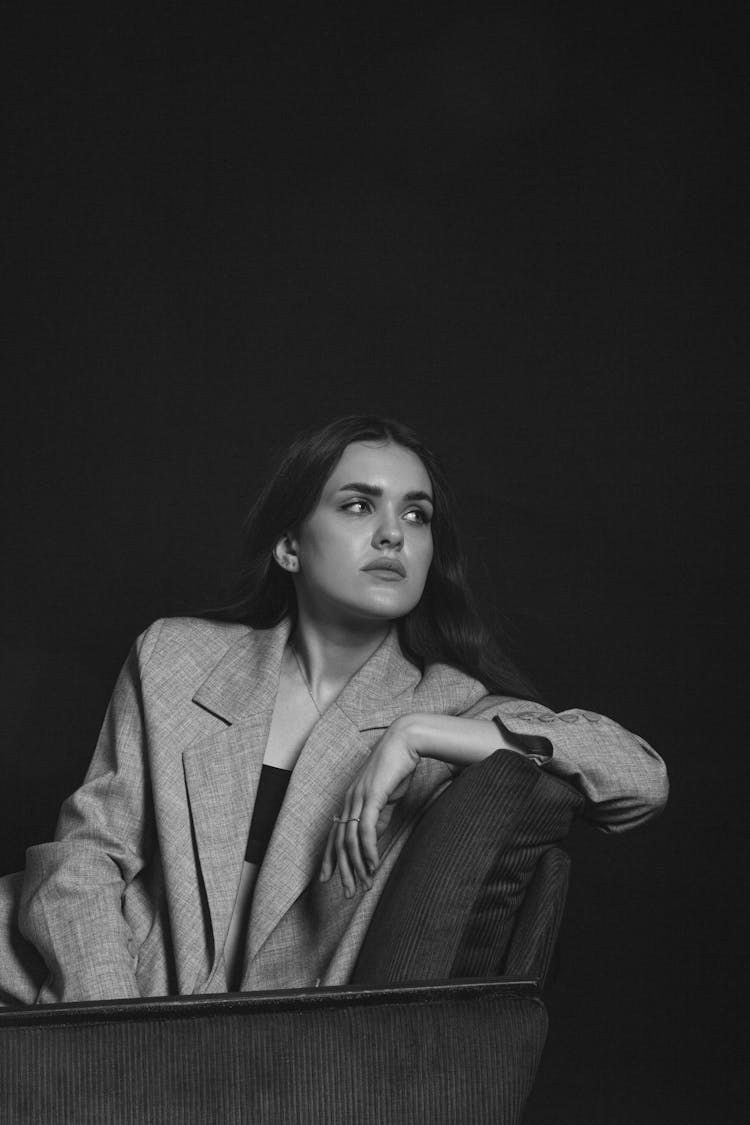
<point>621,776</point>
<point>71,903</point>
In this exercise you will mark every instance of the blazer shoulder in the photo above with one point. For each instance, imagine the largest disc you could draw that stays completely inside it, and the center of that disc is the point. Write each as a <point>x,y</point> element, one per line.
<point>446,688</point>
<point>175,641</point>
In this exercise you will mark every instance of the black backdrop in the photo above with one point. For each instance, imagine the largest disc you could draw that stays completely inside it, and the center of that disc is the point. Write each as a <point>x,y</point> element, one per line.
<point>515,226</point>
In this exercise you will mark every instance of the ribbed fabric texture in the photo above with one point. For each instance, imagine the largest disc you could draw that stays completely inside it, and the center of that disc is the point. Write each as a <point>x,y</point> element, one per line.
<point>462,876</point>
<point>538,922</point>
<point>456,1061</point>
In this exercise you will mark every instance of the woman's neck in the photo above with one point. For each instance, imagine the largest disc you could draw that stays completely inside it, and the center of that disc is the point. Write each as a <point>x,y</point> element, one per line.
<point>331,653</point>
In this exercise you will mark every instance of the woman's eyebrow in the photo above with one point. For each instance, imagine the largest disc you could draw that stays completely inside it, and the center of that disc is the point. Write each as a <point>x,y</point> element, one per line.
<point>375,490</point>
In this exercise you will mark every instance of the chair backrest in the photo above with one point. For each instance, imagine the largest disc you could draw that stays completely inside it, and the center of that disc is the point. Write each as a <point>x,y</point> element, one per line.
<point>451,905</point>
<point>539,917</point>
<point>427,1055</point>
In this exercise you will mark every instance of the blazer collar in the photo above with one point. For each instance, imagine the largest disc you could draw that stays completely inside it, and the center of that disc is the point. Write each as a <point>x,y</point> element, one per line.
<point>245,681</point>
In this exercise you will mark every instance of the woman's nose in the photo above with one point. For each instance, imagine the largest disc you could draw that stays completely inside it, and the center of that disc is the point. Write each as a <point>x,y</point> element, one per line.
<point>389,533</point>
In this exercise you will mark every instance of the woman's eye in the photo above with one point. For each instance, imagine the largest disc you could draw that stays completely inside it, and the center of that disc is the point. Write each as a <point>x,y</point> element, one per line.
<point>416,515</point>
<point>357,506</point>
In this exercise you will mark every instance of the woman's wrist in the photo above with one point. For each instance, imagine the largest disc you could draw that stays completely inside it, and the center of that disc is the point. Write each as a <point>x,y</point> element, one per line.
<point>448,738</point>
<point>409,730</point>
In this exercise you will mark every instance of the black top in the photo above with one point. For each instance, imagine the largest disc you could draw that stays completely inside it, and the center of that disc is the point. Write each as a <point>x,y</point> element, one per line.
<point>268,802</point>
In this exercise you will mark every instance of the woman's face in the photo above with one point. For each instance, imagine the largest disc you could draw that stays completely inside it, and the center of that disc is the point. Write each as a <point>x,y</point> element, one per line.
<point>364,551</point>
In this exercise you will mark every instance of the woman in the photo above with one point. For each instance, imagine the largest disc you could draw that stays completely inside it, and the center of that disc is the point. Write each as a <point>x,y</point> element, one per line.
<point>258,772</point>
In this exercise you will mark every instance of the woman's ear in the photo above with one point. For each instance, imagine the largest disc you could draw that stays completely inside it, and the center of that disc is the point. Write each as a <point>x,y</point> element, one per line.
<point>285,553</point>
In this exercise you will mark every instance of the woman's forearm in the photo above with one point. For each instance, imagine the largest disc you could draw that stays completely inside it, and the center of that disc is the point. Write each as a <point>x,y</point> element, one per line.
<point>622,778</point>
<point>452,739</point>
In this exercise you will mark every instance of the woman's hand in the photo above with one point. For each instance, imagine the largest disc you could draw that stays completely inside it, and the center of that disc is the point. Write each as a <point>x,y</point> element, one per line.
<point>352,843</point>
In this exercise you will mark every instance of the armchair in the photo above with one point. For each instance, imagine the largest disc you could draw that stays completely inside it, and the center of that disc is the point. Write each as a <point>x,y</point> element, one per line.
<point>442,1020</point>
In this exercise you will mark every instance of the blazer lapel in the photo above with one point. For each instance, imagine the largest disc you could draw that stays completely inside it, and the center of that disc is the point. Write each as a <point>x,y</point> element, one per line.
<point>222,769</point>
<point>334,752</point>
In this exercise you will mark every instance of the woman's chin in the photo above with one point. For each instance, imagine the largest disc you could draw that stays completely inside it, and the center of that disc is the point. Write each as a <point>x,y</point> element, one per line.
<point>378,612</point>
<point>377,608</point>
<point>389,604</point>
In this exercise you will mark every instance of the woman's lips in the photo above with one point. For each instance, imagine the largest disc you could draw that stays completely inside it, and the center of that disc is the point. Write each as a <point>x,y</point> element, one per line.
<point>386,568</point>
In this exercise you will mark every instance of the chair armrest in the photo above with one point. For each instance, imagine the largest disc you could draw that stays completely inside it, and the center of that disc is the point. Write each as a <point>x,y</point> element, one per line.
<point>427,1053</point>
<point>538,921</point>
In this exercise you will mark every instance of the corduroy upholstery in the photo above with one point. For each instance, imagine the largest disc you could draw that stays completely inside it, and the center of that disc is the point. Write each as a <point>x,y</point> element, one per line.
<point>538,921</point>
<point>464,1053</point>
<point>461,878</point>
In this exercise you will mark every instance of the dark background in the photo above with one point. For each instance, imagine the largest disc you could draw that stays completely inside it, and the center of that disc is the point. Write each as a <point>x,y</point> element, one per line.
<point>516,227</point>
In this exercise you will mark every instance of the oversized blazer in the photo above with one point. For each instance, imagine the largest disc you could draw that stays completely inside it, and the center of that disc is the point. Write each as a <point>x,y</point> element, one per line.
<point>135,895</point>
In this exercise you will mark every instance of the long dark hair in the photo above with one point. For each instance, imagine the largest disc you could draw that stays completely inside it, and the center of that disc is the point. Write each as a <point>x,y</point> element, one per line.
<point>444,626</point>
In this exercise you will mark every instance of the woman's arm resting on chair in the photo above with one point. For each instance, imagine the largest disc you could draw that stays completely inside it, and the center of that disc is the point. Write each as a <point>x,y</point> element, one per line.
<point>622,777</point>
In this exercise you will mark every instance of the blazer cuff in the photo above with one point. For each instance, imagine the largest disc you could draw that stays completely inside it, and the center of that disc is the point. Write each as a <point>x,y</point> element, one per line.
<point>534,746</point>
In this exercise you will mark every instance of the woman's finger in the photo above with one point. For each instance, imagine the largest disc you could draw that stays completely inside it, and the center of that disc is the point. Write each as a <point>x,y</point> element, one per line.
<point>330,854</point>
<point>348,880</point>
<point>340,859</point>
<point>368,835</point>
<point>354,850</point>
